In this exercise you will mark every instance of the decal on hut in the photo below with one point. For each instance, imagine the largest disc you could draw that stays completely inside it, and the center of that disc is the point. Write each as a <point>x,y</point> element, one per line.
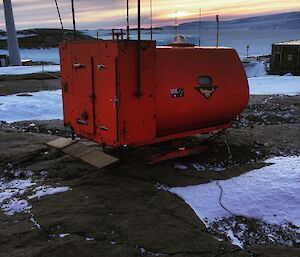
<point>206,91</point>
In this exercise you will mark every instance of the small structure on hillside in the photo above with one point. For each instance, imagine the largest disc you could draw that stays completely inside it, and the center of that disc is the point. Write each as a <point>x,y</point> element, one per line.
<point>285,58</point>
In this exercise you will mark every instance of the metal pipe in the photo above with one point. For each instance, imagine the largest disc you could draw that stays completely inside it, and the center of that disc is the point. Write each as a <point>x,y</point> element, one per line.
<point>127,18</point>
<point>74,22</point>
<point>151,20</point>
<point>139,83</point>
<point>218,22</point>
<point>139,20</point>
<point>12,41</point>
<point>199,43</point>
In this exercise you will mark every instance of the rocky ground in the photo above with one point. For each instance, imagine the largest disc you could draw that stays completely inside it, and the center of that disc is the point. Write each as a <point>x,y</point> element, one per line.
<point>123,210</point>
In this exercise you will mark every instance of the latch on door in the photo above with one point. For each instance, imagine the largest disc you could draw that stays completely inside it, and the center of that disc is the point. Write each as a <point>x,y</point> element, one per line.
<point>78,66</point>
<point>101,67</point>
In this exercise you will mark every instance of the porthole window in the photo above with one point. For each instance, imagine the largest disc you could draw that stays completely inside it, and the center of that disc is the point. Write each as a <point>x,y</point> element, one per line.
<point>205,81</point>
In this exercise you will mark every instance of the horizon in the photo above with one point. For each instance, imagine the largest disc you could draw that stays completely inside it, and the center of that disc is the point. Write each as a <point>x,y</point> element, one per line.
<point>91,15</point>
<point>146,26</point>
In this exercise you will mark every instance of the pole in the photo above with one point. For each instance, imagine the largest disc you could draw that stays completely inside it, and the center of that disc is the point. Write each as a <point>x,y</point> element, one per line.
<point>12,41</point>
<point>139,20</point>
<point>74,22</point>
<point>175,23</point>
<point>199,43</point>
<point>218,21</point>
<point>127,19</point>
<point>139,86</point>
<point>60,20</point>
<point>151,20</point>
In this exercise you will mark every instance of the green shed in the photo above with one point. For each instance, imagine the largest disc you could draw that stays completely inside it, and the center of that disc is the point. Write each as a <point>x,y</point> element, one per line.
<point>285,58</point>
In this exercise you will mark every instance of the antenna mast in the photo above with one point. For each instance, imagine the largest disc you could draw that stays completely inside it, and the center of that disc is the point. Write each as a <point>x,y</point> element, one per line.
<point>60,20</point>
<point>218,23</point>
<point>175,23</point>
<point>74,22</point>
<point>127,19</point>
<point>199,43</point>
<point>151,20</point>
<point>139,82</point>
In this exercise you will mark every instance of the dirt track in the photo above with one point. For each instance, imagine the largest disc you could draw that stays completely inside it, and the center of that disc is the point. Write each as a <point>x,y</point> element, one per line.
<point>122,210</point>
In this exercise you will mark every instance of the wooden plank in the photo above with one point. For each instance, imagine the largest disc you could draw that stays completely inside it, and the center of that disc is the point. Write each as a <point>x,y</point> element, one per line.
<point>83,151</point>
<point>61,142</point>
<point>99,159</point>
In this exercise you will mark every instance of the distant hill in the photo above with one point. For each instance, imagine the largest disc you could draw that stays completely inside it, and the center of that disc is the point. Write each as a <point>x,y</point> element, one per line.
<point>283,21</point>
<point>41,38</point>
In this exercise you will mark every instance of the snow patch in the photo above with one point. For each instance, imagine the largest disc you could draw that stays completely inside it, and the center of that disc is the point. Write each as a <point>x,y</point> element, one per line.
<point>275,85</point>
<point>270,194</point>
<point>47,190</point>
<point>21,70</point>
<point>44,105</point>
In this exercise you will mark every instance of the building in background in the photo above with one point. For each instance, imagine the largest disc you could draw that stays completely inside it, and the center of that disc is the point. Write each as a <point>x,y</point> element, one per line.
<point>285,58</point>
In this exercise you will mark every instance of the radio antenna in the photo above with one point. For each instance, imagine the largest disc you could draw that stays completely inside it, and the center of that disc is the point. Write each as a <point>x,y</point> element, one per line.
<point>127,19</point>
<point>175,23</point>
<point>151,20</point>
<point>74,22</point>
<point>199,43</point>
<point>60,20</point>
<point>218,27</point>
<point>139,82</point>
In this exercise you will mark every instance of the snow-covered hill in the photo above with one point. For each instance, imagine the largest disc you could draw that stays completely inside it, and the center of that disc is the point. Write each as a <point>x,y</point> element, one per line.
<point>282,21</point>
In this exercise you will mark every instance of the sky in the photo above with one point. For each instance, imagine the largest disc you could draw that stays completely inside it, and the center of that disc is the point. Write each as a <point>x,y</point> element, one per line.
<point>95,14</point>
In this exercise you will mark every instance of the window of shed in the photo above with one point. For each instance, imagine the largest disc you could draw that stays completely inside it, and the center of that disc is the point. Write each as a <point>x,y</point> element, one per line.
<point>290,57</point>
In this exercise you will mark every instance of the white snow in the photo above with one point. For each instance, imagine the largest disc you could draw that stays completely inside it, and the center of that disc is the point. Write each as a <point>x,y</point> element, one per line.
<point>10,193</point>
<point>42,105</point>
<point>14,194</point>
<point>275,85</point>
<point>37,55</point>
<point>271,194</point>
<point>20,70</point>
<point>46,190</point>
<point>14,206</point>
<point>255,69</point>
<point>63,235</point>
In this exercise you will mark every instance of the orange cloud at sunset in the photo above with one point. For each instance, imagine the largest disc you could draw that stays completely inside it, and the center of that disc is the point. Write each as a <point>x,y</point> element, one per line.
<point>109,13</point>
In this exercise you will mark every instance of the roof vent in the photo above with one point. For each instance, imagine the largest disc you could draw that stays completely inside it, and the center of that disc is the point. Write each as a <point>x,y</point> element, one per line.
<point>179,39</point>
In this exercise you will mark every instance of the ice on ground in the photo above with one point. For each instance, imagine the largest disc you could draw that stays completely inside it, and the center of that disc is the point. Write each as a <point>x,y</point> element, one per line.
<point>14,194</point>
<point>271,194</point>
<point>47,190</point>
<point>38,55</point>
<point>21,70</point>
<point>63,235</point>
<point>44,105</point>
<point>14,206</point>
<point>10,195</point>
<point>275,85</point>
<point>255,69</point>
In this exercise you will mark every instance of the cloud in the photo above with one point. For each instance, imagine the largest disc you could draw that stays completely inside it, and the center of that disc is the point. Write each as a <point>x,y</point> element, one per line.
<point>112,13</point>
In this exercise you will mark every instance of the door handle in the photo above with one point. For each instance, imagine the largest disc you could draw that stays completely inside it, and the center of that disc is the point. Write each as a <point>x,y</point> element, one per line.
<point>78,66</point>
<point>101,67</point>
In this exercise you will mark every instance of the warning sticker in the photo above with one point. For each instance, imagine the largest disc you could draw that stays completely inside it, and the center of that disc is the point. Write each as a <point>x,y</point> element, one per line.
<point>177,92</point>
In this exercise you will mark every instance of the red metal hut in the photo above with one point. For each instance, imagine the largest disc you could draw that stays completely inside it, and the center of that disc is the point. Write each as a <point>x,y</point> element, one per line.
<point>184,90</point>
<point>131,92</point>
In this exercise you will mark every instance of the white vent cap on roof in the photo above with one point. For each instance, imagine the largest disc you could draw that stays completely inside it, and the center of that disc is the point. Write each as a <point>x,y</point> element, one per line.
<point>179,39</point>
